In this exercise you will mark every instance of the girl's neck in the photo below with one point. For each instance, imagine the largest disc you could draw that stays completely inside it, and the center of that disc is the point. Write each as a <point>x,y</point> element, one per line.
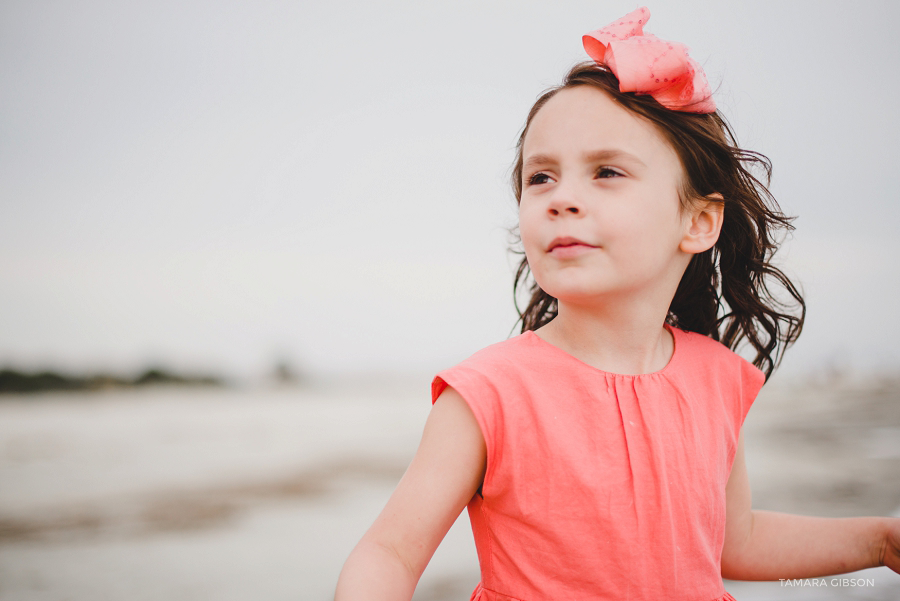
<point>632,343</point>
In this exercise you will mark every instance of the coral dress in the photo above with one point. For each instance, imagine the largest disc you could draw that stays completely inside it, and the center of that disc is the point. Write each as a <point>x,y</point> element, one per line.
<point>598,485</point>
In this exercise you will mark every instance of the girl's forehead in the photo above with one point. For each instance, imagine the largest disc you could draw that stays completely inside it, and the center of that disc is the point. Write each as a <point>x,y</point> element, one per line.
<point>586,117</point>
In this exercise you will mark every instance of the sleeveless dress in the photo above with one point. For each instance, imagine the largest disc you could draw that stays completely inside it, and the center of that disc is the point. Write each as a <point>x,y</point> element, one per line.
<point>599,485</point>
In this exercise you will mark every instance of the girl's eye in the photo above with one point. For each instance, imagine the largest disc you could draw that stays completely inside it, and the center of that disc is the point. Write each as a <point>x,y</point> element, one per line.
<point>538,178</point>
<point>606,172</point>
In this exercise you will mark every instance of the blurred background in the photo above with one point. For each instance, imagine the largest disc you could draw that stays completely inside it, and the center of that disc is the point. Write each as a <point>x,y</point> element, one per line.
<point>245,235</point>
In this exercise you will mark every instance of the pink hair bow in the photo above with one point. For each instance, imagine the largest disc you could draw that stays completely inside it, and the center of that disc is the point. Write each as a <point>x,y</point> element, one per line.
<point>645,64</point>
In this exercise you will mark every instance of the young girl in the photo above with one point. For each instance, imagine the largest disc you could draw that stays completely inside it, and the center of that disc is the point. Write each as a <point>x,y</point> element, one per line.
<point>600,452</point>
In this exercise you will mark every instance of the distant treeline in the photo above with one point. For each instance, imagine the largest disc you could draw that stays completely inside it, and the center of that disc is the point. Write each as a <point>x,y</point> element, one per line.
<point>12,381</point>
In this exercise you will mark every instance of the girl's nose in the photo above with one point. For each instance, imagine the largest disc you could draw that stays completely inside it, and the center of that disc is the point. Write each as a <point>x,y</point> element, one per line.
<point>565,202</point>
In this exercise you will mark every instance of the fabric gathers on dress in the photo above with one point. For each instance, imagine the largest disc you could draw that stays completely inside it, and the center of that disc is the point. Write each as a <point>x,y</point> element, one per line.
<point>599,485</point>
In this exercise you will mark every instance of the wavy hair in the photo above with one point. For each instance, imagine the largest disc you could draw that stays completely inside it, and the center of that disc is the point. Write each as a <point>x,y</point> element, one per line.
<point>731,292</point>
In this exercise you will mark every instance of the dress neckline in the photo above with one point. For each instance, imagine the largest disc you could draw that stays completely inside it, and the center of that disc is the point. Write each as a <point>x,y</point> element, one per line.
<point>677,351</point>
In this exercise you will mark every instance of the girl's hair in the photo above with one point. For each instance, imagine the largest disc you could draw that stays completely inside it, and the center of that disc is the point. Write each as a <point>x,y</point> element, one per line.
<point>731,292</point>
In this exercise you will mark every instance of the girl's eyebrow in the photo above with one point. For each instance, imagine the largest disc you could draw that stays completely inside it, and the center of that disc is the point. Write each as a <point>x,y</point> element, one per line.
<point>609,155</point>
<point>590,157</point>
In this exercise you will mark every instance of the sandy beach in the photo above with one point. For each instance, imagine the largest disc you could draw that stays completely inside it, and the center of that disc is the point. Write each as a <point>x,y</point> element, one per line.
<point>240,494</point>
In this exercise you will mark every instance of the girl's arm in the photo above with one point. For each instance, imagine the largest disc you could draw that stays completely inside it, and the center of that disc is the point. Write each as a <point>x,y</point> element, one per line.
<point>765,545</point>
<point>444,475</point>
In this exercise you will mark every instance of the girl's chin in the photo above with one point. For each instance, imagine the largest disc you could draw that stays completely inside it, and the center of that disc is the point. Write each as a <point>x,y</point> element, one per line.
<point>577,296</point>
<point>591,295</point>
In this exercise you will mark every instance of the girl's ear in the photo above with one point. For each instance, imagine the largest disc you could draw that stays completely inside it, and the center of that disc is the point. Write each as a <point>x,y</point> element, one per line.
<point>704,224</point>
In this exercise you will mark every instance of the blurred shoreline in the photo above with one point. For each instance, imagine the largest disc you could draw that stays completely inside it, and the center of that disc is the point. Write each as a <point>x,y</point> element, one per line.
<point>13,381</point>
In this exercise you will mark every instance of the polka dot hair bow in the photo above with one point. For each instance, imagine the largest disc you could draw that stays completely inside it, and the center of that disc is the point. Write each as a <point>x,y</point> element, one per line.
<point>645,64</point>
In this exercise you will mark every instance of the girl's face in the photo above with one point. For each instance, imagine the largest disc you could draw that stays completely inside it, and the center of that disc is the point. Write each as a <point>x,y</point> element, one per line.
<point>600,215</point>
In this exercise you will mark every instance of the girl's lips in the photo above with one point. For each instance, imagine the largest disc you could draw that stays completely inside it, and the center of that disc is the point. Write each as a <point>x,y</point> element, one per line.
<point>569,251</point>
<point>565,248</point>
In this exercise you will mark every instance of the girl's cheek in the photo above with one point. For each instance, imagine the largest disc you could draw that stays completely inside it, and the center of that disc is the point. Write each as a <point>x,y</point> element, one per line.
<point>528,244</point>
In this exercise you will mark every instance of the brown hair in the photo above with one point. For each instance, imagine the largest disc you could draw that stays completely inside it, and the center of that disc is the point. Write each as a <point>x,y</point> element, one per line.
<point>732,292</point>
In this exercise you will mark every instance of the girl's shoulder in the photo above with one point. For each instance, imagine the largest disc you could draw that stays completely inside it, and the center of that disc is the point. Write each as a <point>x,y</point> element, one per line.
<point>515,349</point>
<point>494,366</point>
<point>699,344</point>
<point>706,356</point>
<point>519,352</point>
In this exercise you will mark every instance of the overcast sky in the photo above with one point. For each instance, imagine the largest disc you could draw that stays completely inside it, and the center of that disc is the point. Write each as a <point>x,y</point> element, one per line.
<point>217,185</point>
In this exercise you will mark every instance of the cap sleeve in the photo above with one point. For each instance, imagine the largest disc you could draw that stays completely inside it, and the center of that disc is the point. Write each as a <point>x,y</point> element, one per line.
<point>752,380</point>
<point>481,395</point>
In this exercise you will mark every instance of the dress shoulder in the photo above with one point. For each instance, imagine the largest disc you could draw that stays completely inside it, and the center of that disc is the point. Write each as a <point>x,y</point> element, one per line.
<point>489,381</point>
<point>719,367</point>
<point>499,361</point>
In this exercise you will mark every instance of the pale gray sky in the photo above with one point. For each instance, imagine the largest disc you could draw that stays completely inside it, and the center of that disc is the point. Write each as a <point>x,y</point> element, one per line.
<point>218,184</point>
